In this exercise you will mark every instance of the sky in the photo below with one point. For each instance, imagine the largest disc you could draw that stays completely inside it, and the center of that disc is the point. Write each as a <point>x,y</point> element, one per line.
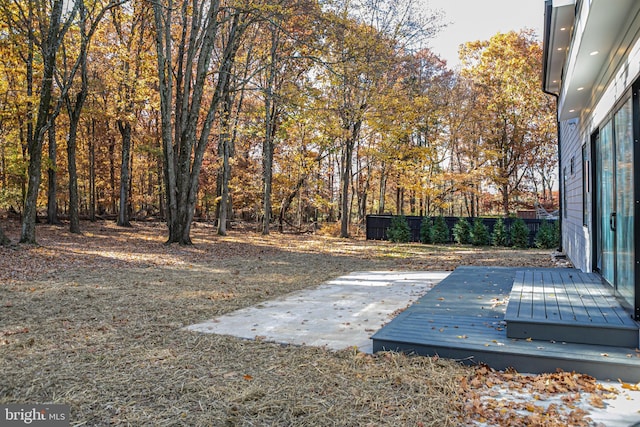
<point>471,20</point>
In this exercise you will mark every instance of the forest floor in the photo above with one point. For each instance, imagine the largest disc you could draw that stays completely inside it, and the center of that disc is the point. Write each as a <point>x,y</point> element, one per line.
<point>95,321</point>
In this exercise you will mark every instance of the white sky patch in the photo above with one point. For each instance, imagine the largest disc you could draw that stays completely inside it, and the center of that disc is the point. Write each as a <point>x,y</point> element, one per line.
<point>471,20</point>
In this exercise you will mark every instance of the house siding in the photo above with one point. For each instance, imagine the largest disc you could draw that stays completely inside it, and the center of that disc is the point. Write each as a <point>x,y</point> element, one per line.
<point>575,236</point>
<point>616,80</point>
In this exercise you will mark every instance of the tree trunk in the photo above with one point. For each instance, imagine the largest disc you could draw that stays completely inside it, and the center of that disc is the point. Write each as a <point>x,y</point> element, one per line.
<point>346,180</point>
<point>287,201</point>
<point>92,171</point>
<point>505,199</point>
<point>49,52</point>
<point>383,189</point>
<point>267,175</point>
<point>52,205</point>
<point>270,131</point>
<point>363,193</point>
<point>74,119</point>
<point>4,240</point>
<point>3,166</point>
<point>225,172</point>
<point>185,144</point>
<point>75,111</point>
<point>123,213</point>
<point>112,170</point>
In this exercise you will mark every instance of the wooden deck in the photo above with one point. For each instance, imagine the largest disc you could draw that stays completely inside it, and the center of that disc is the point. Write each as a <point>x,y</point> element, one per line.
<point>463,318</point>
<point>569,306</point>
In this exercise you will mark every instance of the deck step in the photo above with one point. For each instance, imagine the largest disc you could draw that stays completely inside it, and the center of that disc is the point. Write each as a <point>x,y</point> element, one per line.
<point>567,306</point>
<point>463,318</point>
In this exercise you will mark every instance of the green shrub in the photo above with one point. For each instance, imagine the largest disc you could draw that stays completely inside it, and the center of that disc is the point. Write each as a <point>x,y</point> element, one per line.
<point>440,231</point>
<point>425,230</point>
<point>499,236</point>
<point>462,231</point>
<point>546,237</point>
<point>399,232</point>
<point>479,233</point>
<point>519,234</point>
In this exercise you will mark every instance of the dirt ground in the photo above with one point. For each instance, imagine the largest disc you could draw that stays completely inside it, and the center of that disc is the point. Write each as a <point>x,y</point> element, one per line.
<point>95,321</point>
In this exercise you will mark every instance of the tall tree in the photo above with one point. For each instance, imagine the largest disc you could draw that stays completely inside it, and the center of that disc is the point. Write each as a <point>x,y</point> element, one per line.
<point>49,45</point>
<point>88,22</point>
<point>505,74</point>
<point>131,28</point>
<point>285,60</point>
<point>365,38</point>
<point>187,114</point>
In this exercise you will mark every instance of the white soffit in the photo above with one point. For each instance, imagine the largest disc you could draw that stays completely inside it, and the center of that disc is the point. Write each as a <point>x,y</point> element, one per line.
<point>557,40</point>
<point>598,26</point>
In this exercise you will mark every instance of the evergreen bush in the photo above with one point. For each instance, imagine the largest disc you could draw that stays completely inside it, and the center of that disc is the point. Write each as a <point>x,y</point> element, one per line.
<point>425,230</point>
<point>462,231</point>
<point>499,236</point>
<point>519,234</point>
<point>546,236</point>
<point>479,233</point>
<point>399,231</point>
<point>440,231</point>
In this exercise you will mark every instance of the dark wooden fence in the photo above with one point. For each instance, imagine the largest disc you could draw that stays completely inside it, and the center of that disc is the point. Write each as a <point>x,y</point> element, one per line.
<point>377,226</point>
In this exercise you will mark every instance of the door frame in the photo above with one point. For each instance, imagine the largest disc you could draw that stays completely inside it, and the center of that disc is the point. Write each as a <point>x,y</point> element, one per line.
<point>635,114</point>
<point>596,242</point>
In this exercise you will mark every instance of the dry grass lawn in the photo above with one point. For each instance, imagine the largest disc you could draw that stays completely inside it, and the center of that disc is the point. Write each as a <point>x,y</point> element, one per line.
<point>95,321</point>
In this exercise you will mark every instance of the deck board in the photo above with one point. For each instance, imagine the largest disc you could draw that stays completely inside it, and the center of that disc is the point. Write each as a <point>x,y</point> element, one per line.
<point>569,305</point>
<point>464,318</point>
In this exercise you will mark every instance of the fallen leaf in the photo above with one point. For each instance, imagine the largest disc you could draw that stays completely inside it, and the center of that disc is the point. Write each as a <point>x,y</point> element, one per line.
<point>634,387</point>
<point>596,401</point>
<point>247,377</point>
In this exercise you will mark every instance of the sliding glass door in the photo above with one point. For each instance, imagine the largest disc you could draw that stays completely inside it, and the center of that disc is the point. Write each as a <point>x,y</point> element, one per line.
<point>624,229</point>
<point>606,211</point>
<point>614,175</point>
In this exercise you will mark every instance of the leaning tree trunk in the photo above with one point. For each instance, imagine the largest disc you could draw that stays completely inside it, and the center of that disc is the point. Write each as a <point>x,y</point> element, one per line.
<point>49,52</point>
<point>287,201</point>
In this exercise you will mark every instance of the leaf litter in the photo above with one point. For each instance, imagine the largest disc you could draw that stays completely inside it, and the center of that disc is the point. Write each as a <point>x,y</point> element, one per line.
<point>95,321</point>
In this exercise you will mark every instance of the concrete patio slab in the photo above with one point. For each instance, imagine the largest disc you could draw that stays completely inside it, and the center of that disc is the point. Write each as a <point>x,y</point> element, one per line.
<point>341,313</point>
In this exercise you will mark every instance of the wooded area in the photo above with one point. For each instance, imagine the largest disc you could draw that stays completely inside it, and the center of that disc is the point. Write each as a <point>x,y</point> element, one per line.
<point>288,112</point>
